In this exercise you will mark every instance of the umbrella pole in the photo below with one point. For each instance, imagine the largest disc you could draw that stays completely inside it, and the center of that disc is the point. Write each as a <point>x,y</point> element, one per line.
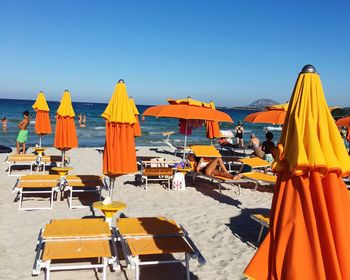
<point>63,156</point>
<point>185,143</point>
<point>40,141</point>
<point>111,187</point>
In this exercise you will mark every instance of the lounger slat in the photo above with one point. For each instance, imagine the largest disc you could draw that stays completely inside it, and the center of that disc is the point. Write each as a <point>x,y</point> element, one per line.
<point>260,176</point>
<point>147,226</point>
<point>37,184</point>
<point>81,249</point>
<point>152,246</point>
<point>40,178</point>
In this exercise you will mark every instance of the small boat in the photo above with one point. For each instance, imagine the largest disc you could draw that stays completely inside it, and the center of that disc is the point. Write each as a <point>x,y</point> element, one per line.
<point>273,128</point>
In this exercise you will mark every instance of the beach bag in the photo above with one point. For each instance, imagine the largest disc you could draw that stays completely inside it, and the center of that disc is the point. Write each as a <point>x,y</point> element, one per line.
<point>179,181</point>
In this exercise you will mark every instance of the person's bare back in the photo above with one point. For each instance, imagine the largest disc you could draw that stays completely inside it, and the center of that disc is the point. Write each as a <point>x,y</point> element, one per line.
<point>24,123</point>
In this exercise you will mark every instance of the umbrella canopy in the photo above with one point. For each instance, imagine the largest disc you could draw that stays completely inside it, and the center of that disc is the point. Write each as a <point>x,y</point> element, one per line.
<point>283,107</point>
<point>42,119</point>
<point>309,230</point>
<point>269,116</point>
<point>137,127</point>
<point>65,135</point>
<point>119,155</point>
<point>187,112</point>
<point>213,129</point>
<point>343,121</point>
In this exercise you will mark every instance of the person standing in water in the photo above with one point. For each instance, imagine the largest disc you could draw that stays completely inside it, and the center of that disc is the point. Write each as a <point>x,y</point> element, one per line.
<point>4,124</point>
<point>23,133</point>
<point>239,131</point>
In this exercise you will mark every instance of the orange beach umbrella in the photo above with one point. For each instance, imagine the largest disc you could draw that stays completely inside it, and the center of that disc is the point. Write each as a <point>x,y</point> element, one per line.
<point>137,127</point>
<point>275,114</point>
<point>343,121</point>
<point>119,155</point>
<point>187,109</point>
<point>213,129</point>
<point>309,229</point>
<point>42,119</point>
<point>65,135</point>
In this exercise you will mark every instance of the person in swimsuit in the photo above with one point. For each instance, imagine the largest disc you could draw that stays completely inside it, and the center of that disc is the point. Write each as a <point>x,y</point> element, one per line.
<point>239,131</point>
<point>255,145</point>
<point>210,167</point>
<point>23,133</point>
<point>4,124</point>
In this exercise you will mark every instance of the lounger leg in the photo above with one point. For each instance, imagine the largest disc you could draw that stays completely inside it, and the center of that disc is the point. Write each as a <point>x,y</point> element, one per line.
<point>104,271</point>
<point>51,199</point>
<point>47,273</point>
<point>260,233</point>
<point>70,198</point>
<point>137,269</point>
<point>219,185</point>
<point>20,200</point>
<point>187,257</point>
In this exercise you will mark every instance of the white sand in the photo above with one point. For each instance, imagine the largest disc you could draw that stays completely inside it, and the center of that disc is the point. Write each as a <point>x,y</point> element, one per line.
<point>220,226</point>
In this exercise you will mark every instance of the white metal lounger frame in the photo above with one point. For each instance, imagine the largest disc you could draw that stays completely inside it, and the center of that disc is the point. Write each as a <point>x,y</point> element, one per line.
<point>237,183</point>
<point>30,163</point>
<point>39,264</point>
<point>134,262</point>
<point>21,191</point>
<point>77,189</point>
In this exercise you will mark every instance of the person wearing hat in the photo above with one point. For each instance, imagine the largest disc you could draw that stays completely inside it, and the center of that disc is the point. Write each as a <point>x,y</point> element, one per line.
<point>239,131</point>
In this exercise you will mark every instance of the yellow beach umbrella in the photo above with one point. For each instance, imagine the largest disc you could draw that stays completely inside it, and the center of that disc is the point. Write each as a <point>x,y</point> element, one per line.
<point>309,227</point>
<point>137,128</point>
<point>42,119</point>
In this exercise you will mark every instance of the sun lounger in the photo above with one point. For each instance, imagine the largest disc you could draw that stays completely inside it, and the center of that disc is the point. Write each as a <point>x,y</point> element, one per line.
<point>157,170</point>
<point>41,184</point>
<point>263,220</point>
<point>141,237</point>
<point>75,240</point>
<point>255,163</point>
<point>31,161</point>
<point>83,184</point>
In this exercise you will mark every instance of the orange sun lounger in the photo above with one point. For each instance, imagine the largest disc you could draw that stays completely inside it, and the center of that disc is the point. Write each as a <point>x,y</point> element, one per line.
<point>31,161</point>
<point>141,237</point>
<point>75,240</point>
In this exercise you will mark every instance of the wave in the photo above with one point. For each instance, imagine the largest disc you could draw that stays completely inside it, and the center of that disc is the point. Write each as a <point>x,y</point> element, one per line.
<point>99,127</point>
<point>32,122</point>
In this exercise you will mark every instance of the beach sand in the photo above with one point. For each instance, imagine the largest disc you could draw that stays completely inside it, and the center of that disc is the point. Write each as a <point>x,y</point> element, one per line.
<point>219,226</point>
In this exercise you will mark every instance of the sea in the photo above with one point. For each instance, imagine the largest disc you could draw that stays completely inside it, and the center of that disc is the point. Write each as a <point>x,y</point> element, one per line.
<point>93,135</point>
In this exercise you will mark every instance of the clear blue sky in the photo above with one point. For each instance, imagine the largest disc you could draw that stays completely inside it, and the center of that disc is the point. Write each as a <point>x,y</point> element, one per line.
<point>231,51</point>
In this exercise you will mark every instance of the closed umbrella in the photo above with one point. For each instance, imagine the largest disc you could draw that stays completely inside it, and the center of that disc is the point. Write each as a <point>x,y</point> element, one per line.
<point>65,135</point>
<point>119,155</point>
<point>309,229</point>
<point>213,129</point>
<point>42,119</point>
<point>187,109</point>
<point>137,127</point>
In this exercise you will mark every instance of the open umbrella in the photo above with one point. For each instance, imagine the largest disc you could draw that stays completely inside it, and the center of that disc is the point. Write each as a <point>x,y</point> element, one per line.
<point>275,114</point>
<point>137,128</point>
<point>187,109</point>
<point>343,121</point>
<point>65,135</point>
<point>119,155</point>
<point>213,129</point>
<point>309,229</point>
<point>42,119</point>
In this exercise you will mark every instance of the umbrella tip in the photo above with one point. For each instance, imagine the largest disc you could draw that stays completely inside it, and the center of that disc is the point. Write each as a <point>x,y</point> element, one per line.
<point>66,90</point>
<point>308,69</point>
<point>121,81</point>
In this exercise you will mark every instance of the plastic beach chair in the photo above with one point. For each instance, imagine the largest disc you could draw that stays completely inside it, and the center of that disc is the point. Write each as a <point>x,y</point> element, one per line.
<point>155,236</point>
<point>75,240</point>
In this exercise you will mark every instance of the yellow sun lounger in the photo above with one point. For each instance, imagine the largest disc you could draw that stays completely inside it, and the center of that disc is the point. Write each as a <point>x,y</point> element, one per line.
<point>141,237</point>
<point>36,184</point>
<point>263,220</point>
<point>75,240</point>
<point>31,161</point>
<point>40,184</point>
<point>83,184</point>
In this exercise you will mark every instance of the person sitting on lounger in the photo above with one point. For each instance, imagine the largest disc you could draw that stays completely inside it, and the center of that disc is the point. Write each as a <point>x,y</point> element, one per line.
<point>209,166</point>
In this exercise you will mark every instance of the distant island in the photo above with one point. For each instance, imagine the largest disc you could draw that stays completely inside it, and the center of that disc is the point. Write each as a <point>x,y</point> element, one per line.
<point>259,104</point>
